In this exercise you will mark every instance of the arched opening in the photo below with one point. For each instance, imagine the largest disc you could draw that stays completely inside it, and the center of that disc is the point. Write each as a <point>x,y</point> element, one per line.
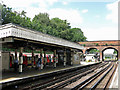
<point>92,51</point>
<point>109,53</point>
<point>92,55</point>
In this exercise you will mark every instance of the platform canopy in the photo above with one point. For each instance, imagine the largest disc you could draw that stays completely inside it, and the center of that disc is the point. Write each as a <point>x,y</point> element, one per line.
<point>15,31</point>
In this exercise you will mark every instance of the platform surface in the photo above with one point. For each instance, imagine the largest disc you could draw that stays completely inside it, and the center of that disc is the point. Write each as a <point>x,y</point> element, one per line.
<point>11,75</point>
<point>114,83</point>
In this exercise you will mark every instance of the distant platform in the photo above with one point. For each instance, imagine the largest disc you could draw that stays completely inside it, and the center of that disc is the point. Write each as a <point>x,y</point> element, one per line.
<point>86,63</point>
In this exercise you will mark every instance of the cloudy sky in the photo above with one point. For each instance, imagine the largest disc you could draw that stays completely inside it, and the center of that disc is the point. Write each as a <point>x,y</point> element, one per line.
<point>96,18</point>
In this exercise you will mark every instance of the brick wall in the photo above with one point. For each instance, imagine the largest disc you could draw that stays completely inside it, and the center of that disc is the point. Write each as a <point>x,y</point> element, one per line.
<point>114,42</point>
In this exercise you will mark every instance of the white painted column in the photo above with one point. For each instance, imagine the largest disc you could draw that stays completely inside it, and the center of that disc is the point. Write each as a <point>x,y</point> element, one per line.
<point>20,60</point>
<point>72,57</point>
<point>45,59</point>
<point>79,57</point>
<point>41,59</point>
<point>54,58</point>
<point>82,57</point>
<point>64,58</point>
<point>32,59</point>
<point>36,59</point>
<point>1,69</point>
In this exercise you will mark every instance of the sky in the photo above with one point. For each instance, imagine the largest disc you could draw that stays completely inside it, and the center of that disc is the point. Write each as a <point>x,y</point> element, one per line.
<point>98,19</point>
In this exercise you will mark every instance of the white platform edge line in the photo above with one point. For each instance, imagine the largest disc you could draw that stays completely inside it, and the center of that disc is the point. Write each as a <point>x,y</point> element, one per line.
<point>113,78</point>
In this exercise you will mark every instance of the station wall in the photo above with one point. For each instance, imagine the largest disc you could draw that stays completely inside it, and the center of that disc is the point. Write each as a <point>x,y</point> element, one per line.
<point>5,60</point>
<point>76,59</point>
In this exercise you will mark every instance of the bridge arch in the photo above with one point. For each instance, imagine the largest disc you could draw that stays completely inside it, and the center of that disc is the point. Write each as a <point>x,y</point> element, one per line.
<point>116,49</point>
<point>101,45</point>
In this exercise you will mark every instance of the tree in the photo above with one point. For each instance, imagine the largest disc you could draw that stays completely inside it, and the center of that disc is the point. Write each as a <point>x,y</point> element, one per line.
<point>41,22</point>
<point>58,26</point>
<point>74,34</point>
<point>10,16</point>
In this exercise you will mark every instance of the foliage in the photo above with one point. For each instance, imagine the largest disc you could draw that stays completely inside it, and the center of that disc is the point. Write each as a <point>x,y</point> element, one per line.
<point>9,16</point>
<point>25,50</point>
<point>115,52</point>
<point>97,44</point>
<point>106,44</point>
<point>42,22</point>
<point>111,44</point>
<point>94,51</point>
<point>74,34</point>
<point>84,45</point>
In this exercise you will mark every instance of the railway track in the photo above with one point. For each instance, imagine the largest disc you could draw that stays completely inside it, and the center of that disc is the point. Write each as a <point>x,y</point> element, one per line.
<point>99,80</point>
<point>46,82</point>
<point>67,84</point>
<point>61,81</point>
<point>92,77</point>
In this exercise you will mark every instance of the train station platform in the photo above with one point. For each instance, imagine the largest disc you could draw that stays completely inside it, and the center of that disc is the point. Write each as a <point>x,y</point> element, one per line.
<point>114,82</point>
<point>12,76</point>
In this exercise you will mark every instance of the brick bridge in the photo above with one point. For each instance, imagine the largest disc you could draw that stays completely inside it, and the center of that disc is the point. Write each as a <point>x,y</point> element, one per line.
<point>101,46</point>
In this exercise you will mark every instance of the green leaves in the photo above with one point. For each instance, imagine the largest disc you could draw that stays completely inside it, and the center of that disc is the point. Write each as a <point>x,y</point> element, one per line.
<point>115,52</point>
<point>94,51</point>
<point>10,16</point>
<point>74,34</point>
<point>41,22</point>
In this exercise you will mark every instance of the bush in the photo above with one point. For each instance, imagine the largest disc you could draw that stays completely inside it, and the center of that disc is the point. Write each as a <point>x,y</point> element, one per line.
<point>84,45</point>
<point>106,44</point>
<point>97,44</point>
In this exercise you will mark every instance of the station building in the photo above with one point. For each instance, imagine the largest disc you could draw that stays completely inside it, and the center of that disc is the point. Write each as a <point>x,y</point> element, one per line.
<point>28,45</point>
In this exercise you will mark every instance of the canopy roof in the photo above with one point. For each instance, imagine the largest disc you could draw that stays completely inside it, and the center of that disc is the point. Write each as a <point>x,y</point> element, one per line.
<point>12,30</point>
